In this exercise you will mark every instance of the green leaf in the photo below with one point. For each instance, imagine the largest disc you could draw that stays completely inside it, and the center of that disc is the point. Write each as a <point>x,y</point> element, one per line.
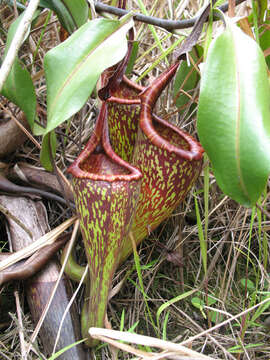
<point>78,9</point>
<point>60,352</point>
<point>19,87</point>
<point>133,56</point>
<point>211,300</point>
<point>48,150</point>
<point>198,303</point>
<point>234,115</point>
<point>238,349</point>
<point>216,317</point>
<point>219,3</point>
<point>73,67</point>
<point>247,284</point>
<point>13,28</point>
<point>203,241</point>
<point>186,79</point>
<point>71,14</point>
<point>172,301</point>
<point>265,38</point>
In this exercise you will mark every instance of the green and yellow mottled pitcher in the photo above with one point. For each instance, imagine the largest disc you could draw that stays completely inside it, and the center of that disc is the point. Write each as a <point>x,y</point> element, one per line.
<point>134,171</point>
<point>169,159</point>
<point>106,190</point>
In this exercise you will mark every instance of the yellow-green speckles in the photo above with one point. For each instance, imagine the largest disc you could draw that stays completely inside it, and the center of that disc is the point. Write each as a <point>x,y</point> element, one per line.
<point>123,122</point>
<point>93,208</point>
<point>109,209</point>
<point>103,194</point>
<point>106,211</point>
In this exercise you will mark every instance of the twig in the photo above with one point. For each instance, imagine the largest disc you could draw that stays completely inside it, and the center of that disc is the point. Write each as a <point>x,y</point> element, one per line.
<point>9,187</point>
<point>44,240</point>
<point>108,335</point>
<point>17,41</point>
<point>165,24</point>
<point>46,309</point>
<point>68,307</point>
<point>21,335</point>
<point>27,133</point>
<point>124,347</point>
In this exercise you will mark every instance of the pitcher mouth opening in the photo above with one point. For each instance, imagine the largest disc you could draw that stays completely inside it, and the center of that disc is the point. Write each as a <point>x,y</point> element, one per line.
<point>179,142</point>
<point>173,139</point>
<point>127,94</point>
<point>98,161</point>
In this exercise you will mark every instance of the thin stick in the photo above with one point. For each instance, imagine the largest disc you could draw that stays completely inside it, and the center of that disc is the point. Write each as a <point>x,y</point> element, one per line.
<point>68,307</point>
<point>21,335</point>
<point>124,347</point>
<point>169,25</point>
<point>27,133</point>
<point>17,41</point>
<point>146,341</point>
<point>46,239</point>
<point>46,309</point>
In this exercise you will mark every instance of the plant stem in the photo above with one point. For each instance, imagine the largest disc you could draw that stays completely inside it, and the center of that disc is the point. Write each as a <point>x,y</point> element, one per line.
<point>169,25</point>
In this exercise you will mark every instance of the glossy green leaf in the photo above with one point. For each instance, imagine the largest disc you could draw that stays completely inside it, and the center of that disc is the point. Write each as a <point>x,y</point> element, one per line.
<point>48,150</point>
<point>234,115</point>
<point>71,14</point>
<point>78,9</point>
<point>73,68</point>
<point>14,26</point>
<point>12,30</point>
<point>265,38</point>
<point>133,57</point>
<point>186,79</point>
<point>19,87</point>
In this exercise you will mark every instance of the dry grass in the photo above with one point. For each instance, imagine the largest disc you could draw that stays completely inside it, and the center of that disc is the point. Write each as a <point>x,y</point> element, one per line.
<point>170,258</point>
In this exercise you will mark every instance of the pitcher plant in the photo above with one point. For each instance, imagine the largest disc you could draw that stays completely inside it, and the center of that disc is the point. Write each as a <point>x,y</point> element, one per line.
<point>106,190</point>
<point>169,159</point>
<point>134,171</point>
